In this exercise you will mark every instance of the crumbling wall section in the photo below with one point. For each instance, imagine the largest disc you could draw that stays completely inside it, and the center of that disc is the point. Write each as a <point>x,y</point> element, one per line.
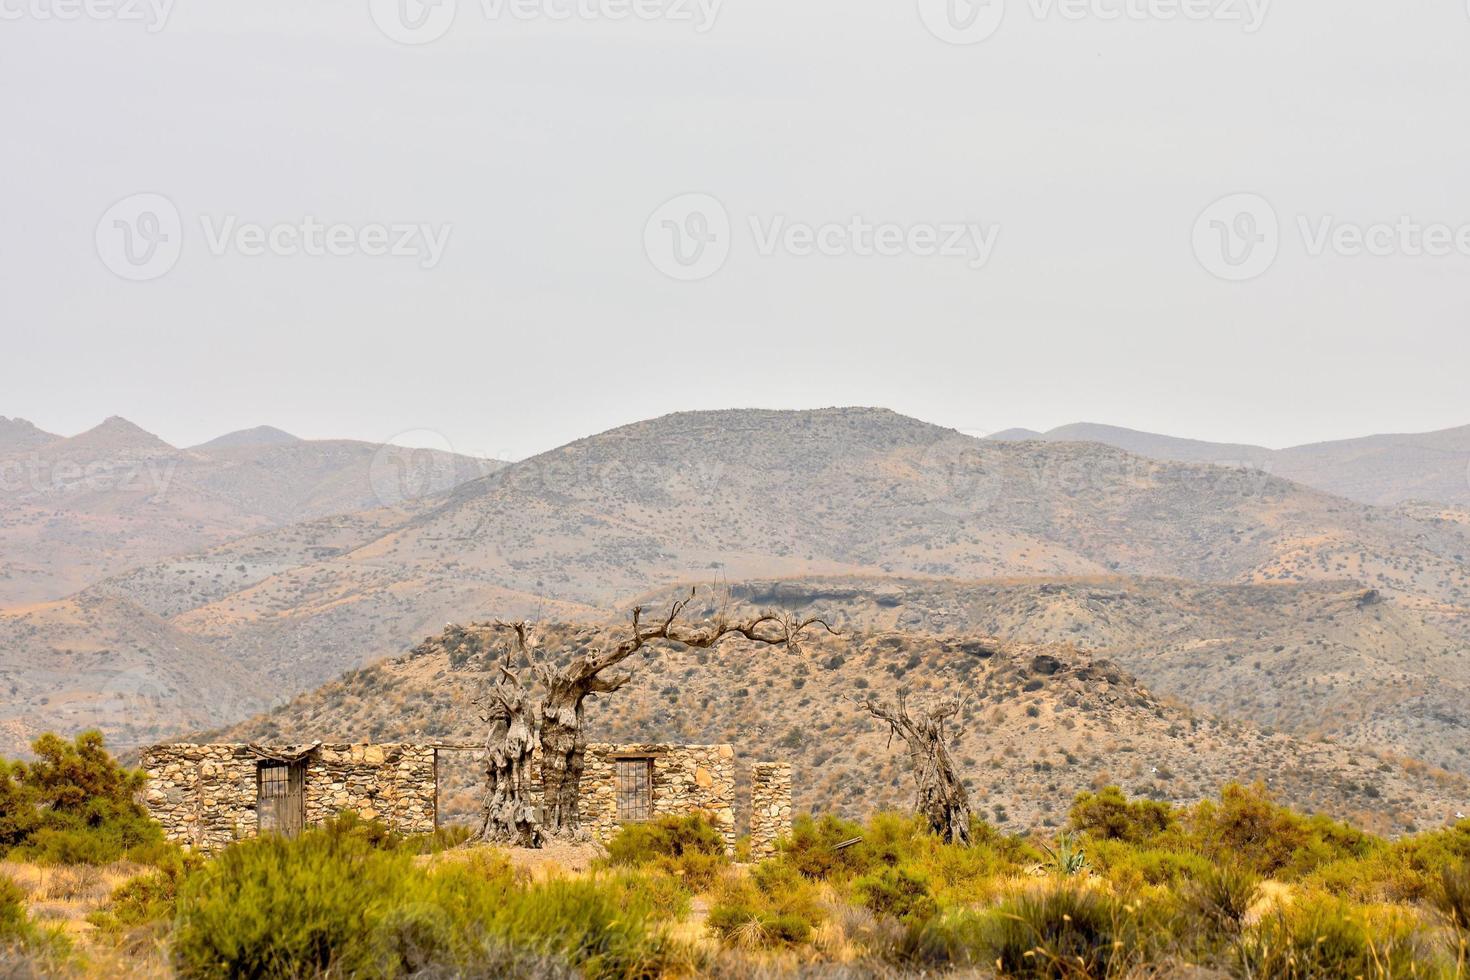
<point>205,795</point>
<point>686,779</point>
<point>770,807</point>
<point>391,783</point>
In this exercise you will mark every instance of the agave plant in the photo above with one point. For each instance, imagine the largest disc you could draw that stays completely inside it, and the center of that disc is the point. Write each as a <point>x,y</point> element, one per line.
<point>1067,858</point>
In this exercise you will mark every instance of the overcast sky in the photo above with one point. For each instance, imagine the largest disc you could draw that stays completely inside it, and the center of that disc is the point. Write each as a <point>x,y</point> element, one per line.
<point>548,292</point>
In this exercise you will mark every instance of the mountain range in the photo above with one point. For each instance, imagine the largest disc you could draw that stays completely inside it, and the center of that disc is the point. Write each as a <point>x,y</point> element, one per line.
<point>1380,469</point>
<point>1228,591</point>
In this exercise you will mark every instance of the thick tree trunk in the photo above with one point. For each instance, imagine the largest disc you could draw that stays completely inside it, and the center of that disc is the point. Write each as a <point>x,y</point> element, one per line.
<point>941,797</point>
<point>506,814</point>
<point>563,751</point>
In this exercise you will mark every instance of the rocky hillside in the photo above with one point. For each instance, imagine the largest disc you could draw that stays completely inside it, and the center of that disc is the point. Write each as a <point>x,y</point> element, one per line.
<point>1319,658</point>
<point>73,511</point>
<point>708,496</point>
<point>1381,469</point>
<point>1043,722</point>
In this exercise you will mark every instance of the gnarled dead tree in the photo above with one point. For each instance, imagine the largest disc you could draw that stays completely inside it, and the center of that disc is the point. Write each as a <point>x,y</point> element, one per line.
<point>942,797</point>
<point>512,737</point>
<point>551,728</point>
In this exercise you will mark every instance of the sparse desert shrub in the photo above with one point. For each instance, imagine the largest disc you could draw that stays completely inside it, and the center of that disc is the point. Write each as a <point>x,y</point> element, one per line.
<point>337,899</point>
<point>687,847</point>
<point>1451,896</point>
<point>1109,815</point>
<point>1321,937</point>
<point>812,848</point>
<point>73,805</point>
<point>1221,895</point>
<point>773,906</point>
<point>1129,867</point>
<point>897,893</point>
<point>1065,931</point>
<point>145,905</point>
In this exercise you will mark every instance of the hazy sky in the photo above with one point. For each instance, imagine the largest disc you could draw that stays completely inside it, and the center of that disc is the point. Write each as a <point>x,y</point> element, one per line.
<point>1077,149</point>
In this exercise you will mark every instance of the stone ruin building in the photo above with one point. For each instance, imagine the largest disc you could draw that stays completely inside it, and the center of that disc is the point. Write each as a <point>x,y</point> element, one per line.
<point>206,796</point>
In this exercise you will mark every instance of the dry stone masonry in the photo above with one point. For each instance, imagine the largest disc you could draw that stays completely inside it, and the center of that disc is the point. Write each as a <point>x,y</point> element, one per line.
<point>685,778</point>
<point>770,807</point>
<point>206,796</point>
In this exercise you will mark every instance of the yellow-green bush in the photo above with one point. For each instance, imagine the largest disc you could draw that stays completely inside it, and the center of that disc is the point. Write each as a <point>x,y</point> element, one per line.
<point>1109,815</point>
<point>773,906</point>
<point>344,900</point>
<point>73,805</point>
<point>1320,937</point>
<point>688,847</point>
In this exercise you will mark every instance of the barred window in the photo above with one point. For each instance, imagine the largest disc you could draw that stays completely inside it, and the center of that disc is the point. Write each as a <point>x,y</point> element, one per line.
<point>635,790</point>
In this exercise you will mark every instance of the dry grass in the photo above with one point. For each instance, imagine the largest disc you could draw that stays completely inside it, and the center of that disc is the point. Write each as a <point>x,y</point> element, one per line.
<point>65,895</point>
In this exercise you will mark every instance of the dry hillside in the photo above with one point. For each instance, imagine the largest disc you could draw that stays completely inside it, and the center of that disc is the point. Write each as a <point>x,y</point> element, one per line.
<point>581,530</point>
<point>73,511</point>
<point>1381,469</point>
<point>1043,723</point>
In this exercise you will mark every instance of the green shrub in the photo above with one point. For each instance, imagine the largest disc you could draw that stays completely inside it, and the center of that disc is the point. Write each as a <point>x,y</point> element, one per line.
<point>896,893</point>
<point>1221,896</point>
<point>812,848</point>
<point>1248,826</point>
<point>1066,931</point>
<point>145,906</point>
<point>1324,937</point>
<point>73,805</point>
<point>1109,815</point>
<point>1452,896</point>
<point>775,905</point>
<point>27,949</point>
<point>1129,867</point>
<point>688,847</point>
<point>345,899</point>
<point>15,925</point>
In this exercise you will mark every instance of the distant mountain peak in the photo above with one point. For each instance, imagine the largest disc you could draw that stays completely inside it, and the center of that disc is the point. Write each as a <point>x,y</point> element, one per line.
<point>117,433</point>
<point>18,433</point>
<point>260,435</point>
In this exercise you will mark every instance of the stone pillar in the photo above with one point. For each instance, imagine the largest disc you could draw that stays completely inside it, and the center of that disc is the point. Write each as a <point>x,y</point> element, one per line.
<point>770,807</point>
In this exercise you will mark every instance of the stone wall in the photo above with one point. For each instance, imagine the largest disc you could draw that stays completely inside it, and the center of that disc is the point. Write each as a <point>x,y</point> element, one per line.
<point>205,795</point>
<point>770,807</point>
<point>686,778</point>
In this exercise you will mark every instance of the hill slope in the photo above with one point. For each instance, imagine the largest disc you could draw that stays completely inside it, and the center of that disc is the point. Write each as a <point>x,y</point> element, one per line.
<point>73,511</point>
<point>1043,724</point>
<point>1381,469</point>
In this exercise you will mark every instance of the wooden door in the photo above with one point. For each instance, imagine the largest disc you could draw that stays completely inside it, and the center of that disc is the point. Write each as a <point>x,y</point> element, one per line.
<point>281,797</point>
